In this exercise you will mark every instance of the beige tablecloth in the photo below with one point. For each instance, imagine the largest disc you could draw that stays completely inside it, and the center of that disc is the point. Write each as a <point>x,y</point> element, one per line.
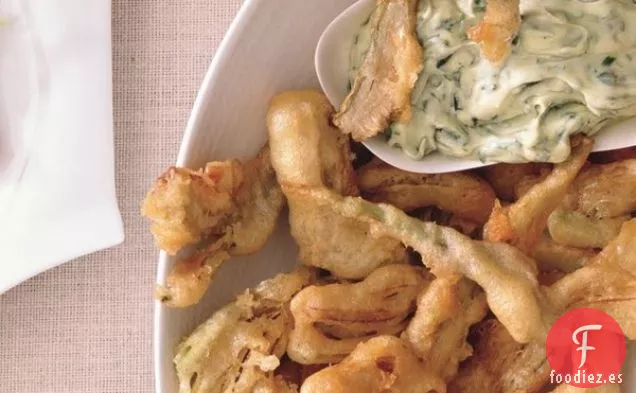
<point>87,326</point>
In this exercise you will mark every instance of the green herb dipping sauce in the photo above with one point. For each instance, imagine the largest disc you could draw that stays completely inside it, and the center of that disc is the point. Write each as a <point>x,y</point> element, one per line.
<point>572,69</point>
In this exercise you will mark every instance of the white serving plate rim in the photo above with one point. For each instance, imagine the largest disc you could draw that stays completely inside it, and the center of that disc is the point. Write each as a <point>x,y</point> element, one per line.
<point>220,58</point>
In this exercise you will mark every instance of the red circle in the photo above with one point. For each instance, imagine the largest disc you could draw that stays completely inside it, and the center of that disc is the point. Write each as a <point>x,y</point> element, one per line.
<point>599,339</point>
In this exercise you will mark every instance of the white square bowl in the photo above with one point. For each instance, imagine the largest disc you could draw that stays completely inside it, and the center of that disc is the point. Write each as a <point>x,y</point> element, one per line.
<point>269,48</point>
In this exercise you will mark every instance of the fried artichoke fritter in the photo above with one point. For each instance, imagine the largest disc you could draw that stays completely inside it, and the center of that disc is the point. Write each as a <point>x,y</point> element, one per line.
<point>523,222</point>
<point>575,229</point>
<point>185,208</point>
<point>295,373</point>
<point>504,178</point>
<point>598,201</point>
<point>381,91</point>
<point>307,152</point>
<point>604,190</point>
<point>500,364</point>
<point>609,289</point>
<point>606,283</point>
<point>551,255</point>
<point>507,276</point>
<point>186,205</point>
<point>240,346</point>
<point>190,277</point>
<point>384,364</point>
<point>330,320</point>
<point>445,312</point>
<point>259,205</point>
<point>447,219</point>
<point>496,30</point>
<point>599,191</point>
<point>465,195</point>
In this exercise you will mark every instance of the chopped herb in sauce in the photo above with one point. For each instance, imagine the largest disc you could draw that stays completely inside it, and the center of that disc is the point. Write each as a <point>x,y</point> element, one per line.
<point>608,78</point>
<point>608,61</point>
<point>479,5</point>
<point>562,77</point>
<point>447,24</point>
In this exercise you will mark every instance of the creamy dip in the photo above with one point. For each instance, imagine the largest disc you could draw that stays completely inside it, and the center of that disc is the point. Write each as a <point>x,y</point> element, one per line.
<point>572,69</point>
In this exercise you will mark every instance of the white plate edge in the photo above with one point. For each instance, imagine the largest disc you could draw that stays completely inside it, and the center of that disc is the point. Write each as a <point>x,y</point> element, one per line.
<point>247,10</point>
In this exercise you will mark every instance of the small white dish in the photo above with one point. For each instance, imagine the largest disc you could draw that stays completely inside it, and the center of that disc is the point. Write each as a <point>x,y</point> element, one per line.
<point>332,62</point>
<point>57,187</point>
<point>269,48</point>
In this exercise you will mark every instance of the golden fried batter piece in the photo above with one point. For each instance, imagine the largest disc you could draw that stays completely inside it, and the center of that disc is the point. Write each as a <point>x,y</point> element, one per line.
<point>575,229</point>
<point>508,276</point>
<point>259,204</point>
<point>445,312</point>
<point>527,182</point>
<point>465,195</point>
<point>190,278</point>
<point>330,320</point>
<point>549,277</point>
<point>599,190</point>
<point>598,201</point>
<point>523,222</point>
<point>381,92</point>
<point>383,364</point>
<point>621,251</point>
<point>609,289</point>
<point>179,204</point>
<point>551,255</point>
<point>605,190</point>
<point>500,364</point>
<point>504,177</point>
<point>496,30</point>
<point>240,346</point>
<point>307,152</point>
<point>440,217</point>
<point>186,205</point>
<point>607,283</point>
<point>296,373</point>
